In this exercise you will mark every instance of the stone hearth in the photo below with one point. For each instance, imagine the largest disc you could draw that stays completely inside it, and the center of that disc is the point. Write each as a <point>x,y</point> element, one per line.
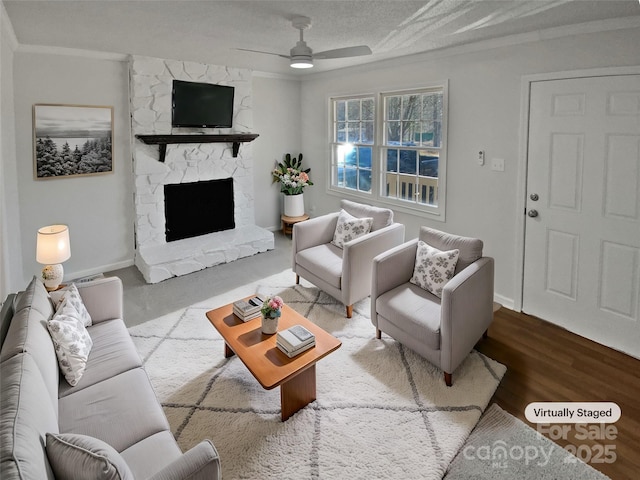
<point>150,95</point>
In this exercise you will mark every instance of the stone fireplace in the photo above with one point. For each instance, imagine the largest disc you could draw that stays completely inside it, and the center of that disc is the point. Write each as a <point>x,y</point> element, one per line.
<point>150,95</point>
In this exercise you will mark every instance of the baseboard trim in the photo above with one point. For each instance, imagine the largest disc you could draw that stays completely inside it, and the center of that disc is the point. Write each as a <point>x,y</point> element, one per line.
<point>504,301</point>
<point>100,269</point>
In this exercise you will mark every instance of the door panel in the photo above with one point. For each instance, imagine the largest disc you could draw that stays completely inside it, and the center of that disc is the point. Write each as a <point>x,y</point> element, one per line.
<point>582,243</point>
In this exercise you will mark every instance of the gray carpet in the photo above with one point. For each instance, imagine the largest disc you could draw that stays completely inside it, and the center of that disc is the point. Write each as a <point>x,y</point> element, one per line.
<point>503,447</point>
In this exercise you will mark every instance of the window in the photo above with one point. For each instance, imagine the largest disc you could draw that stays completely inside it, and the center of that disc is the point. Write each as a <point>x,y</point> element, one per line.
<point>396,156</point>
<point>353,140</point>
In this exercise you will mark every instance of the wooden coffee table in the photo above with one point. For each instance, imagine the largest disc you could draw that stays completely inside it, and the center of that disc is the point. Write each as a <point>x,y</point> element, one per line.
<point>295,376</point>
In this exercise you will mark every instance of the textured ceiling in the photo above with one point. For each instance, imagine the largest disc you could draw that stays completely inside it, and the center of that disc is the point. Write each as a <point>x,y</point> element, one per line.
<point>212,31</point>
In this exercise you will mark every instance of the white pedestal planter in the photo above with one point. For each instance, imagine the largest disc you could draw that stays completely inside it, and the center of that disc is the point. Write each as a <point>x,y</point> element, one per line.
<point>294,205</point>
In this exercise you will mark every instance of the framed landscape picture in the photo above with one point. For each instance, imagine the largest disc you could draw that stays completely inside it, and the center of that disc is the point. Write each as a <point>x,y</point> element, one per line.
<point>72,140</point>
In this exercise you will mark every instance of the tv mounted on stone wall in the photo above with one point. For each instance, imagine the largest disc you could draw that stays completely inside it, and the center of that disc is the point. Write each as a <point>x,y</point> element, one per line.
<point>201,105</point>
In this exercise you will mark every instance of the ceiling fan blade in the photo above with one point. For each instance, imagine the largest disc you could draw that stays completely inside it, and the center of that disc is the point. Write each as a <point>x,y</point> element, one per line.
<point>344,52</point>
<point>266,53</point>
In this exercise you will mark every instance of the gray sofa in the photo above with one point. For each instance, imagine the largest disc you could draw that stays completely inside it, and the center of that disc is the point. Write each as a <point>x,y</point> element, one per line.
<point>112,413</point>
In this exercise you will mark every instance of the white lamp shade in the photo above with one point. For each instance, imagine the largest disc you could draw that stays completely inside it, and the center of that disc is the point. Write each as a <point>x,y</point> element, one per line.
<point>52,245</point>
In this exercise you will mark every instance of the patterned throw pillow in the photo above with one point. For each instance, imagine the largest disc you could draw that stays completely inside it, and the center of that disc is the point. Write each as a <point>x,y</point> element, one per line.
<point>349,228</point>
<point>71,341</point>
<point>433,268</point>
<point>71,294</point>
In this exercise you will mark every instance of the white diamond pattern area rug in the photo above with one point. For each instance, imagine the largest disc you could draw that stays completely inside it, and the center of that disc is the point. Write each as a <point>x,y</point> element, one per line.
<point>381,410</point>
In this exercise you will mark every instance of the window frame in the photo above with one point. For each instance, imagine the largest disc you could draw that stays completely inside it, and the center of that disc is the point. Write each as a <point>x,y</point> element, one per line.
<point>378,166</point>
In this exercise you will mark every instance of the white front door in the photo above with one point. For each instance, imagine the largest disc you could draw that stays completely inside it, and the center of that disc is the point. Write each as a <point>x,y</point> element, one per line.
<point>582,240</point>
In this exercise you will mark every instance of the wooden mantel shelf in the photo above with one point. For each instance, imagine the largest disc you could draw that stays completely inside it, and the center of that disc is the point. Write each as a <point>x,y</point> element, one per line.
<point>163,140</point>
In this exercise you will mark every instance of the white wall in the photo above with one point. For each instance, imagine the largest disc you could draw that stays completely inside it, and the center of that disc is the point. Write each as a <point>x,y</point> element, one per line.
<point>98,209</point>
<point>9,206</point>
<point>484,114</point>
<point>276,117</point>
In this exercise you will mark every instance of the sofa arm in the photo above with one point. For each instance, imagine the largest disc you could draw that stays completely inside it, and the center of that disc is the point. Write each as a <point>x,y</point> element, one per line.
<point>201,462</point>
<point>311,233</point>
<point>357,260</point>
<point>103,298</point>
<point>466,311</point>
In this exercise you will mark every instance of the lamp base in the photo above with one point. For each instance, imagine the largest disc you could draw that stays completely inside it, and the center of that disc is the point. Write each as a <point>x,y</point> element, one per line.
<point>52,276</point>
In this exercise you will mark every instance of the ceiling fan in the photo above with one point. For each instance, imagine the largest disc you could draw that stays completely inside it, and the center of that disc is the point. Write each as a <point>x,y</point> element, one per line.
<point>301,56</point>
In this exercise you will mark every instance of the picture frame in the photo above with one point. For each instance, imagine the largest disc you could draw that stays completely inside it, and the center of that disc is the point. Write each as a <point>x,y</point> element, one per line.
<point>72,140</point>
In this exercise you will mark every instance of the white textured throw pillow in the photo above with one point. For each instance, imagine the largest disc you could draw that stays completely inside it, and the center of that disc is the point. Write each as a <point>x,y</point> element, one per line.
<point>349,228</point>
<point>433,268</point>
<point>71,294</point>
<point>71,341</point>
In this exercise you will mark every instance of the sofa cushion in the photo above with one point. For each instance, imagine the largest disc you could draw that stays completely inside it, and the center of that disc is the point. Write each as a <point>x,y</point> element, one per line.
<point>28,333</point>
<point>382,217</point>
<point>104,410</point>
<point>71,341</point>
<point>80,457</point>
<point>113,352</point>
<point>151,454</point>
<point>470,248</point>
<point>71,296</point>
<point>433,268</point>
<point>349,228</point>
<point>25,419</point>
<point>325,261</point>
<point>406,308</point>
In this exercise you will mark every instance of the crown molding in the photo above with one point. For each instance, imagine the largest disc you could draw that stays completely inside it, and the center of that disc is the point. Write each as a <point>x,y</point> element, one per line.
<point>277,76</point>
<point>73,52</point>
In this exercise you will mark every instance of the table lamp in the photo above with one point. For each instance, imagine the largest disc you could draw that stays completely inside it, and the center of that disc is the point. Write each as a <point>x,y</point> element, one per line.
<point>52,248</point>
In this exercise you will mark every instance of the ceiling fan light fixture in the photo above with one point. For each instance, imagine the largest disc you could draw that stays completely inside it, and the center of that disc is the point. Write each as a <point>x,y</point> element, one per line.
<point>301,62</point>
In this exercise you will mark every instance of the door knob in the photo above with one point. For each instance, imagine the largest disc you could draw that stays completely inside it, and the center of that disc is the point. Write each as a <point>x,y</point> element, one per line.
<point>534,197</point>
<point>532,213</point>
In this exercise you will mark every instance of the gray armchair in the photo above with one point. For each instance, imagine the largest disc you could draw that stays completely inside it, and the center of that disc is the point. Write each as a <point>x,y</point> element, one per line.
<point>442,330</point>
<point>344,273</point>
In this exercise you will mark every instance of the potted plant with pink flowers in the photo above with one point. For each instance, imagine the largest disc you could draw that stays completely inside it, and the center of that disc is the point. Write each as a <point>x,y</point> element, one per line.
<point>293,179</point>
<point>271,311</point>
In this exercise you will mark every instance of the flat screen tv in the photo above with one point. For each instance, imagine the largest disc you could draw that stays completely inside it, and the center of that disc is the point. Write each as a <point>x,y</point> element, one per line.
<point>197,104</point>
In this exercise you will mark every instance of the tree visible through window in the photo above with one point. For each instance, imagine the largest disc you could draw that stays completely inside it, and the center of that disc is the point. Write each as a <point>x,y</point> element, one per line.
<point>412,142</point>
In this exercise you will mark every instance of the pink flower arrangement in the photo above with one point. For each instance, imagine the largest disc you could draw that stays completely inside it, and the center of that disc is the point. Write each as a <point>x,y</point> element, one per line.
<point>272,306</point>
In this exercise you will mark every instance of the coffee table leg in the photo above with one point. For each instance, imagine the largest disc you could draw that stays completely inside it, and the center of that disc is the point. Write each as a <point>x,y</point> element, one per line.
<point>298,392</point>
<point>228,352</point>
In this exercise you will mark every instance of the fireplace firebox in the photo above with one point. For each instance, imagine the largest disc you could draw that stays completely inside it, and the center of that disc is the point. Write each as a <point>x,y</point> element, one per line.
<point>198,208</point>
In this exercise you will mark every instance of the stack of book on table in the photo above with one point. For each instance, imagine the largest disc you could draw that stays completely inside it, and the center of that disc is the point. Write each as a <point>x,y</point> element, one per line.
<point>246,310</point>
<point>295,340</point>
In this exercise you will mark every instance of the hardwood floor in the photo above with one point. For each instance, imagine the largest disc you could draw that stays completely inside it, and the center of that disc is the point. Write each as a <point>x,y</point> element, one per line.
<point>547,363</point>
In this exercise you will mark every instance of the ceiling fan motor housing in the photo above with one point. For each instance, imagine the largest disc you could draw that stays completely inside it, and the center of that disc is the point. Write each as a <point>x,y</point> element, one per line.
<point>301,51</point>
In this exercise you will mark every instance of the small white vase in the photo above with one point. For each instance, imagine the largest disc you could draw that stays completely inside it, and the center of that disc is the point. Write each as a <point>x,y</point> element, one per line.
<point>294,205</point>
<point>269,325</point>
